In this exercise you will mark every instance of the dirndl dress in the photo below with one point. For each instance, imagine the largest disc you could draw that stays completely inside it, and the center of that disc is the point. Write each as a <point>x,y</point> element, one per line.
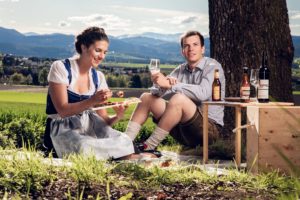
<point>85,133</point>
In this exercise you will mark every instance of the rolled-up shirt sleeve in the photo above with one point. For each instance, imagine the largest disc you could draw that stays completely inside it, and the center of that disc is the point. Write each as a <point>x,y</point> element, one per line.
<point>197,92</point>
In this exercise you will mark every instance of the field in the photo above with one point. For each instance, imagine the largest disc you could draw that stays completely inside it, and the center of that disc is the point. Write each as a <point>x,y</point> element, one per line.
<point>27,176</point>
<point>36,102</point>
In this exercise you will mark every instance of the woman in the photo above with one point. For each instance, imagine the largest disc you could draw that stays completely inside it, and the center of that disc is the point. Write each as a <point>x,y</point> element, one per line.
<point>74,87</point>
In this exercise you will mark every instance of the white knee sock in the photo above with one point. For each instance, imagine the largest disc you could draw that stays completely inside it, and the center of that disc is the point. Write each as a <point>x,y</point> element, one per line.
<point>157,136</point>
<point>132,129</point>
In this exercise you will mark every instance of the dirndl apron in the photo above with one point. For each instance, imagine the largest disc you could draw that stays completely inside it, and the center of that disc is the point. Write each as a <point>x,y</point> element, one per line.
<point>88,133</point>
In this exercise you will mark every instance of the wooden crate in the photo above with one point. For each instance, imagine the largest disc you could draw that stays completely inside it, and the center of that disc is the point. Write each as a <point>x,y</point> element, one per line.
<point>276,129</point>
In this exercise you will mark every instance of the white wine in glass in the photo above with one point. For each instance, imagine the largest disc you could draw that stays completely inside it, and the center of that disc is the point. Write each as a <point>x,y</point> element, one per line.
<point>154,69</point>
<point>154,66</point>
<point>254,78</point>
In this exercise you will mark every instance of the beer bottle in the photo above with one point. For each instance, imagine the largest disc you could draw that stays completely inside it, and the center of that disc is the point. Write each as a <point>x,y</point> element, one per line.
<point>245,86</point>
<point>216,87</point>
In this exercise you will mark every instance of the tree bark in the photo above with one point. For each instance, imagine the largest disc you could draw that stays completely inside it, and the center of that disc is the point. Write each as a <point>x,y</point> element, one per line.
<point>241,30</point>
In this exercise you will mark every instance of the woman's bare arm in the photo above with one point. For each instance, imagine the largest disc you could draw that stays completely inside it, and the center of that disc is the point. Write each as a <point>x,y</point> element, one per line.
<point>59,96</point>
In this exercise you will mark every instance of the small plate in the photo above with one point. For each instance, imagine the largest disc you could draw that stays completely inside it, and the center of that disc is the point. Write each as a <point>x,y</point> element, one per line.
<point>106,105</point>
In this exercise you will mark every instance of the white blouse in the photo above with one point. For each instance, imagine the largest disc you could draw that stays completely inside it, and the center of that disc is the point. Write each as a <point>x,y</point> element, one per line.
<point>59,74</point>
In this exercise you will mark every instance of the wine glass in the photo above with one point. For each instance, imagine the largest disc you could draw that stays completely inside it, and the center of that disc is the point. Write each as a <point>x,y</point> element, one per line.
<point>254,78</point>
<point>154,66</point>
<point>154,69</point>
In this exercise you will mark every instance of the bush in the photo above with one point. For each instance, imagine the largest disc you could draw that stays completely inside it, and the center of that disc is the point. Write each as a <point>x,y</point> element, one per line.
<point>22,132</point>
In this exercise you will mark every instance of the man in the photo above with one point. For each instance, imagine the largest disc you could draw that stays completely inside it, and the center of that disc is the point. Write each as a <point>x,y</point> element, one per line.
<point>191,84</point>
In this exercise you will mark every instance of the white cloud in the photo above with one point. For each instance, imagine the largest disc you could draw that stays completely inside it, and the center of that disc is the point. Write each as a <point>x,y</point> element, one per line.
<point>152,11</point>
<point>294,25</point>
<point>185,20</point>
<point>110,22</point>
<point>294,14</point>
<point>9,0</point>
<point>47,24</point>
<point>63,24</point>
<point>150,29</point>
<point>12,22</point>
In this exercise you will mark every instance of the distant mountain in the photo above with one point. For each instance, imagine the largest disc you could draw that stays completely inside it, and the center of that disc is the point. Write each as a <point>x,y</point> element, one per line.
<point>296,42</point>
<point>133,49</point>
<point>30,34</point>
<point>164,37</point>
<point>125,48</point>
<point>52,46</point>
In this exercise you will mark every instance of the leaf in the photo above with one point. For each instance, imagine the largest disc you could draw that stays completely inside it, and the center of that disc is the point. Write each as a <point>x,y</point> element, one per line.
<point>127,196</point>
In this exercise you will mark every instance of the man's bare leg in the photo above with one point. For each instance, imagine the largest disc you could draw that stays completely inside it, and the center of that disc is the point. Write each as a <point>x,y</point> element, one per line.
<point>180,109</point>
<point>149,103</point>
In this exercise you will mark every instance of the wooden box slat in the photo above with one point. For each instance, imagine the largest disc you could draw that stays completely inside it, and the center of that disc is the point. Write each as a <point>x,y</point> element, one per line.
<point>274,127</point>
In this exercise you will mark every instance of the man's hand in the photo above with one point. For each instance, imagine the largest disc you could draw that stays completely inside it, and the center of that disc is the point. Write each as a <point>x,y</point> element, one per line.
<point>161,81</point>
<point>172,80</point>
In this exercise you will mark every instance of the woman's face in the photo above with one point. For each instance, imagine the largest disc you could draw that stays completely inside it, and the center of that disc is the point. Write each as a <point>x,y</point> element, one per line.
<point>96,52</point>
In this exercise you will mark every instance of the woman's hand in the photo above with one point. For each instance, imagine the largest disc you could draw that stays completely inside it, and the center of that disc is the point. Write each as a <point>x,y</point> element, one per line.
<point>120,110</point>
<point>101,96</point>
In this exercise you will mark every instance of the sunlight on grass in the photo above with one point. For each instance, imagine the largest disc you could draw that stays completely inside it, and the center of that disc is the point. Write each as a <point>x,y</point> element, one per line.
<point>30,174</point>
<point>24,97</point>
<point>296,92</point>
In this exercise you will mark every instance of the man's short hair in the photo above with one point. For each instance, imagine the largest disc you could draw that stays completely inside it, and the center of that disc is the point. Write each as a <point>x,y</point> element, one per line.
<point>189,34</point>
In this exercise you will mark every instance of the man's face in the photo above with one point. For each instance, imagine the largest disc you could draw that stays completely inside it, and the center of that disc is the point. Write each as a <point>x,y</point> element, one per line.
<point>192,49</point>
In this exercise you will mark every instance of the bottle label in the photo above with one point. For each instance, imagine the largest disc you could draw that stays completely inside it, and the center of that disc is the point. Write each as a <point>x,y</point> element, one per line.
<point>263,89</point>
<point>245,92</point>
<point>216,92</point>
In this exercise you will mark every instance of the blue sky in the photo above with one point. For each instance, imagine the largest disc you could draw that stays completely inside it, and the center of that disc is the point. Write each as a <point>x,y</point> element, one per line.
<point>118,17</point>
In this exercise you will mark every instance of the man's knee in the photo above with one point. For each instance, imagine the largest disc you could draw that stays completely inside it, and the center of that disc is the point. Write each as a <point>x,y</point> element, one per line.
<point>177,98</point>
<point>181,99</point>
<point>146,96</point>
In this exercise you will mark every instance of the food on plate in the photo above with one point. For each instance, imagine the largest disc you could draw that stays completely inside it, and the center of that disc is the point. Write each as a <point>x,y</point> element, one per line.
<point>106,104</point>
<point>110,104</point>
<point>120,94</point>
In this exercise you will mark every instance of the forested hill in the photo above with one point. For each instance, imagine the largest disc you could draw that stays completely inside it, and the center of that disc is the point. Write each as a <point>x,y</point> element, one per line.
<point>127,48</point>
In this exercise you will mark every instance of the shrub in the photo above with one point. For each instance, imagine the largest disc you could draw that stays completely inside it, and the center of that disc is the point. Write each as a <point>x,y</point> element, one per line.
<point>22,132</point>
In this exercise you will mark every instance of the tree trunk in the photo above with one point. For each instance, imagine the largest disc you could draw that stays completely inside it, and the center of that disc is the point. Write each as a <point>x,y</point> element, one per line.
<point>241,30</point>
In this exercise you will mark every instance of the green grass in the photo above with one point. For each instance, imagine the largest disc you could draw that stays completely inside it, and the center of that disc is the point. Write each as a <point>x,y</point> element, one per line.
<point>296,92</point>
<point>35,102</point>
<point>30,174</point>
<point>24,97</point>
<point>21,102</point>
